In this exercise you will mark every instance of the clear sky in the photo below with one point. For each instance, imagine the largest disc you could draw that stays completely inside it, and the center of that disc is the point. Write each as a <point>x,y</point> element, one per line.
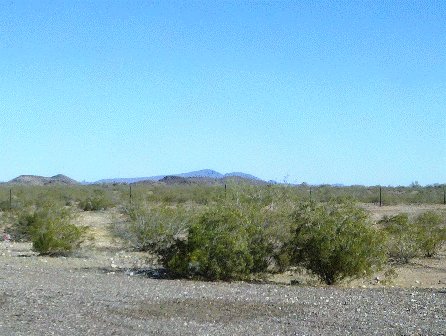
<point>349,92</point>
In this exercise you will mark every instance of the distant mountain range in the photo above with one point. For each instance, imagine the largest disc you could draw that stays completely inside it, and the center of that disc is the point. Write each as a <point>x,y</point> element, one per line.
<point>199,176</point>
<point>204,173</point>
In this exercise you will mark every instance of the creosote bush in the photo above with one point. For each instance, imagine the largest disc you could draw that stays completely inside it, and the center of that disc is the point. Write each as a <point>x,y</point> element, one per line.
<point>21,229</point>
<point>431,233</point>
<point>52,232</point>
<point>152,228</point>
<point>422,236</point>
<point>222,244</point>
<point>98,201</point>
<point>335,241</point>
<point>403,244</point>
<point>94,203</point>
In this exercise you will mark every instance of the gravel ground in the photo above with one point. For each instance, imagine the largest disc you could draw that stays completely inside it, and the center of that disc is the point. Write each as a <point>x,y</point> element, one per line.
<point>73,296</point>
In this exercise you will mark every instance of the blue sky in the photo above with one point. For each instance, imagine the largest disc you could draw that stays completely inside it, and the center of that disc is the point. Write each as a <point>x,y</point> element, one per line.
<point>349,92</point>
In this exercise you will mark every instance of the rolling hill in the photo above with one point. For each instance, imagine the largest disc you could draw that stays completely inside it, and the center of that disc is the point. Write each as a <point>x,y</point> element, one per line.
<point>42,180</point>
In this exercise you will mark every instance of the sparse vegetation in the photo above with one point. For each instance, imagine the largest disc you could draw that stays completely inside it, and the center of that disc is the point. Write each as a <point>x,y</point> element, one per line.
<point>238,232</point>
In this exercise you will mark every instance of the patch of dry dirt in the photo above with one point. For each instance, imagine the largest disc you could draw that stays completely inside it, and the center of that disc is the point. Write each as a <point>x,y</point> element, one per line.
<point>377,212</point>
<point>98,223</point>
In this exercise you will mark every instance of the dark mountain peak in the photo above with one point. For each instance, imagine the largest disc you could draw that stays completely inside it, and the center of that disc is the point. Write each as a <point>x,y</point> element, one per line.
<point>171,179</point>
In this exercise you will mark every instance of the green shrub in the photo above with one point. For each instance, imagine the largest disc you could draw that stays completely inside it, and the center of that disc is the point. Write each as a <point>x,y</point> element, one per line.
<point>431,233</point>
<point>21,229</point>
<point>403,244</point>
<point>52,233</point>
<point>335,241</point>
<point>223,244</point>
<point>99,201</point>
<point>152,228</point>
<point>276,225</point>
<point>5,206</point>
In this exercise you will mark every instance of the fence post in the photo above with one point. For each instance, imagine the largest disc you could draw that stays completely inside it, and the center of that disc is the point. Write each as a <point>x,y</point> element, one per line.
<point>310,194</point>
<point>130,194</point>
<point>380,197</point>
<point>10,199</point>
